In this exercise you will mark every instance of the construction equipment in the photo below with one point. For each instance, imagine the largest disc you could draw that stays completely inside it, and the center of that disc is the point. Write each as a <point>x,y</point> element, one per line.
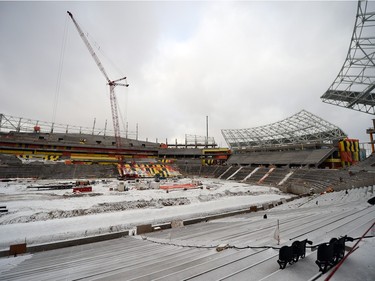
<point>112,83</point>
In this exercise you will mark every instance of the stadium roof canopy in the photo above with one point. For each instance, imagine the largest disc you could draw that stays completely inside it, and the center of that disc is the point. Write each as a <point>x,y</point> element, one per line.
<point>354,86</point>
<point>303,128</point>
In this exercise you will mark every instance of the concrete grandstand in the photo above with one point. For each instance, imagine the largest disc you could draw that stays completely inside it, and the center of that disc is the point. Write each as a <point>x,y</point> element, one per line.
<point>302,139</point>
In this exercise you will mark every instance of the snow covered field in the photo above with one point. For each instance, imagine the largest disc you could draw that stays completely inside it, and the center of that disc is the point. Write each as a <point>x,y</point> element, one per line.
<point>45,215</point>
<point>174,254</point>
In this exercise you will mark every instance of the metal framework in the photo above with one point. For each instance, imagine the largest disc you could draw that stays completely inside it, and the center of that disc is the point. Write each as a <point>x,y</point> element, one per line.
<point>18,124</point>
<point>303,128</point>
<point>201,140</point>
<point>354,86</point>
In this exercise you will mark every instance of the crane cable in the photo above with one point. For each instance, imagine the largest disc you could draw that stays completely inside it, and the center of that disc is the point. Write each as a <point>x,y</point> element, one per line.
<point>123,119</point>
<point>98,49</point>
<point>60,69</point>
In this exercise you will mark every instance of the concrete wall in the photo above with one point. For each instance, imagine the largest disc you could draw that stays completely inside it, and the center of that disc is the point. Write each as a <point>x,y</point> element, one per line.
<point>57,171</point>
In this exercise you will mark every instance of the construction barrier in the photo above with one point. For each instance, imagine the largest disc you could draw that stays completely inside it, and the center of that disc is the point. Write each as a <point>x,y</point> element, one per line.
<point>82,189</point>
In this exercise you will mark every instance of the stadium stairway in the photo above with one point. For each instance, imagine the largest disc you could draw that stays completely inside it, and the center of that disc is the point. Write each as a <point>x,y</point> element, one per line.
<point>227,172</point>
<point>255,177</point>
<point>276,176</point>
<point>338,197</point>
<point>293,180</point>
<point>243,173</point>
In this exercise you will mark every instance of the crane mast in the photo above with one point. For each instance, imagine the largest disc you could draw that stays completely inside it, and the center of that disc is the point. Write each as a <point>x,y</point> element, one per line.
<point>112,83</point>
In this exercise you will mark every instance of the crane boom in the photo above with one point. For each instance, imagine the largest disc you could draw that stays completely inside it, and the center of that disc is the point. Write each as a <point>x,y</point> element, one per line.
<point>112,83</point>
<point>89,47</point>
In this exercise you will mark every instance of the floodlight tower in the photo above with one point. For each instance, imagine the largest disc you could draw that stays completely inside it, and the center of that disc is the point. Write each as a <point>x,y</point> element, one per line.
<point>112,83</point>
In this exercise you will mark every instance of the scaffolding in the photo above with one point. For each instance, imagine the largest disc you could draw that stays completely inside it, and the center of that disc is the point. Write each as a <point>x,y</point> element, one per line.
<point>20,124</point>
<point>194,141</point>
<point>301,129</point>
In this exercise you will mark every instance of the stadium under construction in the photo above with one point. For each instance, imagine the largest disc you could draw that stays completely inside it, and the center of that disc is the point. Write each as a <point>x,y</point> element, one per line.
<point>301,142</point>
<point>252,208</point>
<point>261,155</point>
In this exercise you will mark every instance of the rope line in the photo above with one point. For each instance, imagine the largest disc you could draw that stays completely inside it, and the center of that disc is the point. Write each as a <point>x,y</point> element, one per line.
<point>227,246</point>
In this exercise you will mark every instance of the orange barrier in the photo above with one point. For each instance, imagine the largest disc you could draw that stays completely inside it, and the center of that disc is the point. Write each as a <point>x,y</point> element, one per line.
<point>185,185</point>
<point>82,189</point>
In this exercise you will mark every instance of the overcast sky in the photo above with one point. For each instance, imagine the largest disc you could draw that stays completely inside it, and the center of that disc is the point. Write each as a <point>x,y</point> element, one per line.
<point>243,64</point>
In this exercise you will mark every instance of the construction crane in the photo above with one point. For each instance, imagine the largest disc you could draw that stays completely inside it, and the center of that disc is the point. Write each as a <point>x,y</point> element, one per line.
<point>112,83</point>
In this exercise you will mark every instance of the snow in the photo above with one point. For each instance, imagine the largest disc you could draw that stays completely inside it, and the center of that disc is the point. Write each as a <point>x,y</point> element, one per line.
<point>42,216</point>
<point>6,264</point>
